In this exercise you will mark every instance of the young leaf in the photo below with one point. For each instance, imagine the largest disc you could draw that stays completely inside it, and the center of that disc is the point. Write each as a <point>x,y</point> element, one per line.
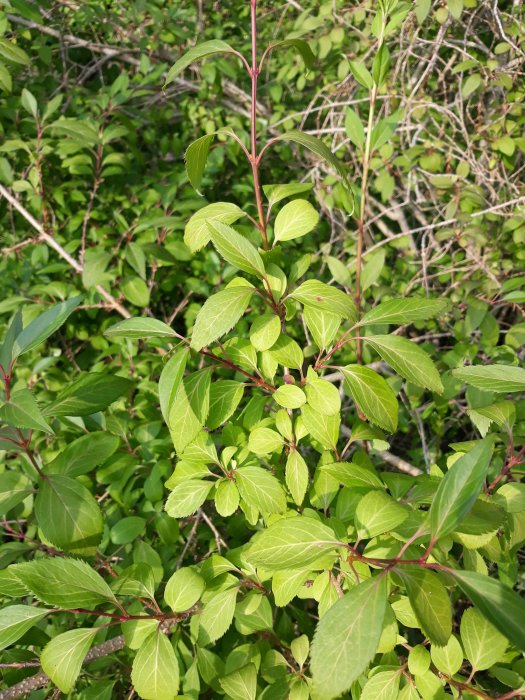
<point>382,686</point>
<point>354,128</point>
<point>296,219</point>
<point>404,311</point>
<point>15,620</point>
<point>323,325</point>
<point>225,396</point>
<point>430,601</point>
<point>275,193</point>
<point>22,411</point>
<point>138,328</point>
<point>217,616</point>
<point>68,515</point>
<point>376,513</point>
<point>408,360</point>
<point>449,658</point>
<point>323,396</point>
<point>265,331</point>
<point>483,644</point>
<point>499,378</point>
<point>323,428</point>
<point>155,670</point>
<point>287,352</point>
<point>219,314</point>
<point>63,656</point>
<point>502,606</point>
<point>291,543</point>
<point>64,583</point>
<point>207,48</point>
<point>373,395</point>
<point>241,684</point>
<point>323,297</point>
<point>197,233</point>
<point>235,249</point>
<point>187,497</point>
<point>261,490</point>
<point>381,65</point>
<point>459,489</point>
<point>296,476</point>
<point>347,636</point>
<point>290,396</point>
<point>264,441</point>
<point>90,393</point>
<point>170,380</point>
<point>361,74</point>
<point>43,326</point>
<point>183,589</point>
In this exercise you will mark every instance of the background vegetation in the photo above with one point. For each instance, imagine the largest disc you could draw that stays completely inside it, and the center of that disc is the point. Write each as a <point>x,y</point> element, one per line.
<point>95,201</point>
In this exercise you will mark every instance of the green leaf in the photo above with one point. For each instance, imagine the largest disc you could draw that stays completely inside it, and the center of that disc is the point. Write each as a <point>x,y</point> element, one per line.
<point>136,291</point>
<point>261,490</point>
<point>90,393</point>
<point>483,644</point>
<point>301,45</point>
<point>170,380</point>
<point>217,616</point>
<point>235,249</point>
<point>296,476</point>
<point>500,605</point>
<point>353,475</point>
<point>276,193</point>
<point>62,657</point>
<point>323,396</point>
<point>382,686</point>
<point>430,602</point>
<point>187,497</point>
<point>189,409</point>
<point>62,582</point>
<point>183,589</point>
<point>195,157</point>
<point>373,396</point>
<point>227,498</point>
<point>381,65</point>
<point>290,396</point>
<point>197,53</point>
<point>225,396</point>
<point>22,411</point>
<point>263,441</point>
<point>291,543</point>
<point>155,670</point>
<point>347,636</point>
<point>14,488</point>
<point>16,620</point>
<point>470,85</point>
<point>287,352</point>
<point>404,311</point>
<point>68,515</point>
<point>315,145</point>
<point>219,314</point>
<point>296,219</point>
<point>408,360</point>
<point>449,658</point>
<point>362,74</point>
<point>354,128</point>
<point>43,326</point>
<point>499,378</point>
<point>84,454</point>
<point>6,348</point>
<point>13,53</point>
<point>265,331</point>
<point>138,328</point>
<point>376,513</point>
<point>241,684</point>
<point>127,530</point>
<point>323,325</point>
<point>323,428</point>
<point>197,232</point>
<point>459,489</point>
<point>80,130</point>
<point>323,297</point>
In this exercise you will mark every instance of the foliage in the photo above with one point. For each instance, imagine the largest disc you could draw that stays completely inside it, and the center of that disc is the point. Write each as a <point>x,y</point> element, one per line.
<point>262,442</point>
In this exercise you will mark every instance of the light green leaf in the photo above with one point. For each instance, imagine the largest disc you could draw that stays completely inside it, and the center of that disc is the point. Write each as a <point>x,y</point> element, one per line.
<point>241,684</point>
<point>197,233</point>
<point>459,489</point>
<point>226,498</point>
<point>449,658</point>
<point>323,325</point>
<point>43,326</point>
<point>62,582</point>
<point>261,490</point>
<point>353,475</point>
<point>354,128</point>
<point>287,352</point>
<point>80,130</point>
<point>500,605</point>
<point>430,601</point>
<point>183,589</point>
<point>381,64</point>
<point>219,314</point>
<point>170,380</point>
<point>136,291</point>
<point>418,660</point>
<point>68,515</point>
<point>22,411</point>
<point>91,392</point>
<point>470,85</point>
<point>138,328</point>
<point>84,454</point>
<point>347,636</point>
<point>63,656</point>
<point>275,193</point>
<point>301,45</point>
<point>323,428</point>
<point>263,441</point>
<point>483,644</point>
<point>499,378</point>
<point>13,53</point>
<point>265,331</point>
<point>323,396</point>
<point>291,543</point>
<point>235,249</point>
<point>361,74</point>
<point>6,347</point>
<point>225,396</point>
<point>155,670</point>
<point>408,360</point>
<point>290,396</point>
<point>197,154</point>
<point>296,476</point>
<point>14,488</point>
<point>376,513</point>
<point>296,219</point>
<point>404,311</point>
<point>323,297</point>
<point>16,620</point>
<point>382,686</point>
<point>183,421</point>
<point>315,145</point>
<point>372,394</point>
<point>187,497</point>
<point>197,53</point>
<point>217,616</point>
